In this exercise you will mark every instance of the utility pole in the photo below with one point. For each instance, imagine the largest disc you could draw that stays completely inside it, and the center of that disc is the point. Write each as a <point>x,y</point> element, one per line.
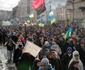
<point>73,10</point>
<point>50,5</point>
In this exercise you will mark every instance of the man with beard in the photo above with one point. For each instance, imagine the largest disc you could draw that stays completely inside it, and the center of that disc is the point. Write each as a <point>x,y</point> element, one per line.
<point>66,58</point>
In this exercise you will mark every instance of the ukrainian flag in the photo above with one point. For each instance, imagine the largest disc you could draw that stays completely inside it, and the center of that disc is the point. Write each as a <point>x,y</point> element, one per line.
<point>41,24</point>
<point>68,34</point>
<point>52,19</point>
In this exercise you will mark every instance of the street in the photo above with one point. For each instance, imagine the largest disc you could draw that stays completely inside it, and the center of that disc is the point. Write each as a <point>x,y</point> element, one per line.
<point>3,60</point>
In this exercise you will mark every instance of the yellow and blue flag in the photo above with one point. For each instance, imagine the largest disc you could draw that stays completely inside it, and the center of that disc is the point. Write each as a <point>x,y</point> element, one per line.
<point>68,33</point>
<point>52,18</point>
<point>41,24</point>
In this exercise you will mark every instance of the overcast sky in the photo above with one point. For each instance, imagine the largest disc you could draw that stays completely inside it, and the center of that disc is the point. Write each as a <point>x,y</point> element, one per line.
<point>9,4</point>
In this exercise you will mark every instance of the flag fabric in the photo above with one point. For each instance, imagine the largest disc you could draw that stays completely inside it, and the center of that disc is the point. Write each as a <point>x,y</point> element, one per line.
<point>41,9</point>
<point>53,21</point>
<point>68,34</point>
<point>37,3</point>
<point>38,19</point>
<point>51,14</point>
<point>41,24</point>
<point>39,6</point>
<point>52,17</point>
<point>31,15</point>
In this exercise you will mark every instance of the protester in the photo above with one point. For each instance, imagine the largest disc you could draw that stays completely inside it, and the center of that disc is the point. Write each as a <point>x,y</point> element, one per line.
<point>10,44</point>
<point>50,39</point>
<point>66,58</point>
<point>81,51</point>
<point>57,48</point>
<point>17,54</point>
<point>54,61</point>
<point>25,63</point>
<point>44,49</point>
<point>45,65</point>
<point>36,64</point>
<point>76,57</point>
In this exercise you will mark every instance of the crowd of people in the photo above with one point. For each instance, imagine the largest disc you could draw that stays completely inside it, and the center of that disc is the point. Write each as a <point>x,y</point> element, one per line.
<point>57,53</point>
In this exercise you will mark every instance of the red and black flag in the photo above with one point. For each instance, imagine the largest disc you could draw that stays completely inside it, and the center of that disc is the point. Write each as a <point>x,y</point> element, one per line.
<point>39,6</point>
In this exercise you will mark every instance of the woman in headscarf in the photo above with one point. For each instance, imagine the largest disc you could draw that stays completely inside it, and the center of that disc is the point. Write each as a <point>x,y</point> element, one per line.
<point>76,57</point>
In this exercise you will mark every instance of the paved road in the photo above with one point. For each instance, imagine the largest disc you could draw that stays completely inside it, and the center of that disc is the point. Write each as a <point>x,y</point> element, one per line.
<point>3,60</point>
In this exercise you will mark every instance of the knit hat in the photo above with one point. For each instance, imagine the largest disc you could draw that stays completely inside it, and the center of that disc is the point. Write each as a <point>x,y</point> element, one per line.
<point>46,42</point>
<point>69,48</point>
<point>44,62</point>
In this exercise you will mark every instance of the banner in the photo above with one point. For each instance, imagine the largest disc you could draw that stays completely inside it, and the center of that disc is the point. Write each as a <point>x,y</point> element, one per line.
<point>39,6</point>
<point>41,9</point>
<point>31,48</point>
<point>37,3</point>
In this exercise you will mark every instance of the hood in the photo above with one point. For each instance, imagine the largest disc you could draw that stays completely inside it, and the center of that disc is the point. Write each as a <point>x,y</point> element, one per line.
<point>55,46</point>
<point>75,53</point>
<point>46,43</point>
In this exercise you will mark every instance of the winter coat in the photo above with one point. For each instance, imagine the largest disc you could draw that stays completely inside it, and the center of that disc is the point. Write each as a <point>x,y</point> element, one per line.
<point>82,55</point>
<point>14,38</point>
<point>50,68</point>
<point>17,55</point>
<point>10,45</point>
<point>25,63</point>
<point>80,64</point>
<point>57,48</point>
<point>65,61</point>
<point>35,67</point>
<point>43,51</point>
<point>55,63</point>
<point>71,67</point>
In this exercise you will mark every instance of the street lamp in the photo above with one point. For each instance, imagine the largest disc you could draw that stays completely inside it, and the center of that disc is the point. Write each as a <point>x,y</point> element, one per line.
<point>73,10</point>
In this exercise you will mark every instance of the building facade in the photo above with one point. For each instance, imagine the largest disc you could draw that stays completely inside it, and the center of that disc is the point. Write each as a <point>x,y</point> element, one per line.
<point>5,15</point>
<point>60,13</point>
<point>22,9</point>
<point>75,9</point>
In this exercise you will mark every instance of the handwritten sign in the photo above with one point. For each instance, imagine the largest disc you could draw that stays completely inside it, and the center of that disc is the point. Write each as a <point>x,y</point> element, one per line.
<point>31,48</point>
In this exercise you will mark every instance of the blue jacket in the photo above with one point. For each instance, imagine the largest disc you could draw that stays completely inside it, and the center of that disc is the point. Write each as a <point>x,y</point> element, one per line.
<point>40,68</point>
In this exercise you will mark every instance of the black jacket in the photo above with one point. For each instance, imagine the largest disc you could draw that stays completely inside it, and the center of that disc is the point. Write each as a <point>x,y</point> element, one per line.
<point>10,45</point>
<point>55,63</point>
<point>73,69</point>
<point>43,51</point>
<point>82,55</point>
<point>17,55</point>
<point>65,61</point>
